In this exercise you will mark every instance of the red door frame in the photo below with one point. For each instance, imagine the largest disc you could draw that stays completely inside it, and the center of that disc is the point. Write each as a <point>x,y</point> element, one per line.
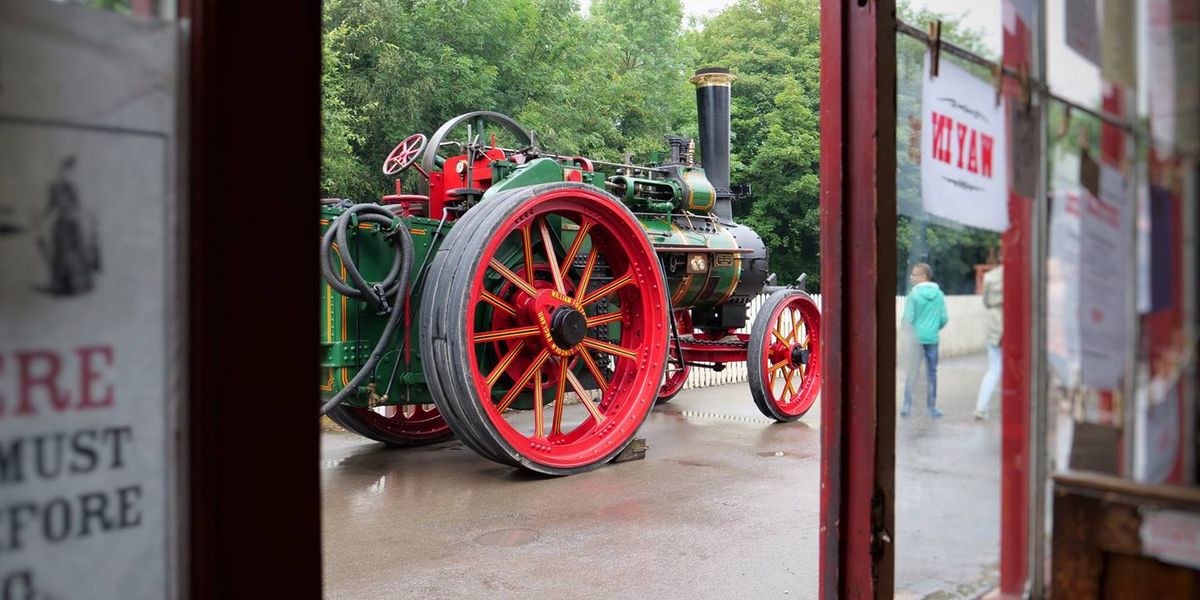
<point>858,283</point>
<point>1016,248</point>
<point>252,114</point>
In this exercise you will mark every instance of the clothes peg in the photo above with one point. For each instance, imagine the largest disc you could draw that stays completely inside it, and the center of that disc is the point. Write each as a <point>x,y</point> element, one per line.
<point>998,81</point>
<point>1064,126</point>
<point>1026,88</point>
<point>935,47</point>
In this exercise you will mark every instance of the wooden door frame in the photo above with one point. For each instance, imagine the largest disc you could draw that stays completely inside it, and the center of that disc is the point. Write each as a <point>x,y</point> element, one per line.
<point>858,284</point>
<point>251,169</point>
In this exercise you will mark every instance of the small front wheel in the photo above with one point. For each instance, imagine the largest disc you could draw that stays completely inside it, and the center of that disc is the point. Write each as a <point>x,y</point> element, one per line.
<point>784,360</point>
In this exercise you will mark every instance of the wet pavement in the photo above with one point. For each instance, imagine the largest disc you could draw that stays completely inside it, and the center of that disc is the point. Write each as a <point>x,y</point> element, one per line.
<point>725,505</point>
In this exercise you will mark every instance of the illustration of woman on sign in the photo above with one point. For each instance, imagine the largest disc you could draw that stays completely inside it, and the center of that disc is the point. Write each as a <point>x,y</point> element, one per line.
<point>68,241</point>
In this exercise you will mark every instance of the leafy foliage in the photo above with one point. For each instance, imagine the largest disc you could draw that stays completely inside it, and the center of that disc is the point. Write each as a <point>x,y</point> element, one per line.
<point>600,85</point>
<point>774,48</point>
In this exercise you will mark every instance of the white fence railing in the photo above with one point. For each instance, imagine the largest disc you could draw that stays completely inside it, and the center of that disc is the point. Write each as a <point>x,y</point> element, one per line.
<point>965,334</point>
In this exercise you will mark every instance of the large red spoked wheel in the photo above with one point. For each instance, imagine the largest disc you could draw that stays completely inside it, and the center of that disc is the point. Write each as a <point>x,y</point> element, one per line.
<point>677,370</point>
<point>512,318</point>
<point>407,425</point>
<point>784,359</point>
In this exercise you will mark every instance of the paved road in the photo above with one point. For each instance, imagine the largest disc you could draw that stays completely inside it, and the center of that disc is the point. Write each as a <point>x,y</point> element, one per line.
<point>725,505</point>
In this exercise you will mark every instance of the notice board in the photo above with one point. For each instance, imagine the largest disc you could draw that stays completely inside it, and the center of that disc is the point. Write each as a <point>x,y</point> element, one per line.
<point>89,362</point>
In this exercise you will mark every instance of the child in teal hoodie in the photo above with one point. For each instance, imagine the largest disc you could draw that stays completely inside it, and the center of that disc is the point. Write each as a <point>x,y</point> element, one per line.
<point>924,317</point>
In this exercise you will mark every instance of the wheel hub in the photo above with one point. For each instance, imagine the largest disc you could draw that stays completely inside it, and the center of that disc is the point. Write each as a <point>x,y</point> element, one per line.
<point>562,324</point>
<point>799,355</point>
<point>568,327</point>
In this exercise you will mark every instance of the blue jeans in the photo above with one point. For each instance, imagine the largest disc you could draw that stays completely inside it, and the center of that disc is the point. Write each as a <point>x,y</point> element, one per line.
<point>929,354</point>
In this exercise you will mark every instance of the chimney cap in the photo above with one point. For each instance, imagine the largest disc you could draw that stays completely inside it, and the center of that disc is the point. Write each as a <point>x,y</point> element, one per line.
<point>713,76</point>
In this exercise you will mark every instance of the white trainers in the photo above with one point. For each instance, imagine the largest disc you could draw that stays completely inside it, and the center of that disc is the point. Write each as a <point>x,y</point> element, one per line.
<point>980,415</point>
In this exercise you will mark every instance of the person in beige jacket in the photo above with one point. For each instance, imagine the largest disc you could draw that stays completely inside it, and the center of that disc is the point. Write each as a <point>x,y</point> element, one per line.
<point>993,300</point>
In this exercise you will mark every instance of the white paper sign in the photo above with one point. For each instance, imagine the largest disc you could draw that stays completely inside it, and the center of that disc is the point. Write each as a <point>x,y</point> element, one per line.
<point>87,368</point>
<point>1062,288</point>
<point>1171,536</point>
<point>1156,431</point>
<point>963,156</point>
<point>1104,255</point>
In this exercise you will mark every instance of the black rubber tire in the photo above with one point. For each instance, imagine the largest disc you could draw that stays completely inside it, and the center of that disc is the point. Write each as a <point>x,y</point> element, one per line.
<point>444,303</point>
<point>759,331</point>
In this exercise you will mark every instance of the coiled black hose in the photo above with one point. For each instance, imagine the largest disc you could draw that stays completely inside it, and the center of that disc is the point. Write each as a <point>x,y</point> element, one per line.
<point>393,286</point>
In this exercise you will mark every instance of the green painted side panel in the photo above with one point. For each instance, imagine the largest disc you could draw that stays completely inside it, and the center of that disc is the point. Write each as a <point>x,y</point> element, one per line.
<point>349,329</point>
<point>701,193</point>
<point>539,170</point>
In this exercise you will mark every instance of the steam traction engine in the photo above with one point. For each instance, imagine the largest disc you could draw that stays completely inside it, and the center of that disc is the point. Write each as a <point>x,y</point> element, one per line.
<point>524,301</point>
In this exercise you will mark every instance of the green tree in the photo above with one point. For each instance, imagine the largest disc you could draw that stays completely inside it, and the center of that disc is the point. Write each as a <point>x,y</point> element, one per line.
<point>773,46</point>
<point>599,85</point>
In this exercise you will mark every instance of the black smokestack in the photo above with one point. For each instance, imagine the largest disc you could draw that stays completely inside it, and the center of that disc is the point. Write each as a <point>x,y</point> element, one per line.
<point>712,108</point>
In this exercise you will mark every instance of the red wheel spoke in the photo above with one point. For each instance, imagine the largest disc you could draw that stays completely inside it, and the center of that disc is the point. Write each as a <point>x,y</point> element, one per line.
<point>512,394</point>
<point>538,424</point>
<point>575,246</point>
<point>559,397</point>
<point>506,334</point>
<point>788,381</point>
<point>527,249</point>
<point>587,274</point>
<point>515,279</point>
<point>504,364</point>
<point>584,398</point>
<point>548,248</point>
<point>607,289</point>
<point>604,319</point>
<point>595,370</point>
<point>612,349</point>
<point>495,300</point>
